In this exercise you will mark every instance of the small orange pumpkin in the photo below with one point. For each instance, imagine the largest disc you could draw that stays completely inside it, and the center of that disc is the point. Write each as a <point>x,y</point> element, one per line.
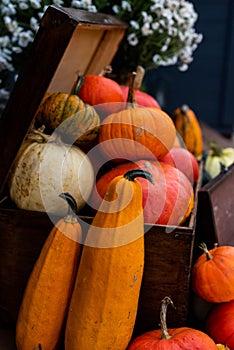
<point>182,338</point>
<point>213,274</point>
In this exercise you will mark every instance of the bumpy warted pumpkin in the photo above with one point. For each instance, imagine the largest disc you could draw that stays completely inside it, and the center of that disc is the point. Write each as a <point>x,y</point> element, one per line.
<point>188,127</point>
<point>77,122</point>
<point>44,167</point>
<point>47,295</point>
<point>104,302</point>
<point>213,274</point>
<point>182,338</point>
<point>169,201</point>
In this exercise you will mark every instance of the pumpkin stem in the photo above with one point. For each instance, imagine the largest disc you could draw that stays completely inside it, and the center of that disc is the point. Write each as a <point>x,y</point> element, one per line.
<point>105,70</point>
<point>77,85</point>
<point>184,108</point>
<point>132,174</point>
<point>163,315</point>
<point>72,207</point>
<point>38,136</point>
<point>140,72</point>
<point>203,246</point>
<point>131,94</point>
<point>39,347</point>
<point>215,149</point>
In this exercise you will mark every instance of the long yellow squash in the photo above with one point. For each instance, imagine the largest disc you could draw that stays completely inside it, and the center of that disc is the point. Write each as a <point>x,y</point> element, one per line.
<point>104,302</point>
<point>47,295</point>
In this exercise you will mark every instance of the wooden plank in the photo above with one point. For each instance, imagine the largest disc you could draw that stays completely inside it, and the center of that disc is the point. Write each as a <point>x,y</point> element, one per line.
<point>105,49</point>
<point>166,273</point>
<point>209,134</point>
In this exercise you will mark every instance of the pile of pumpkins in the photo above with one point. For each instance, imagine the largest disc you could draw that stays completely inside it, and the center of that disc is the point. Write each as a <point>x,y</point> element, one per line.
<point>81,134</point>
<point>84,288</point>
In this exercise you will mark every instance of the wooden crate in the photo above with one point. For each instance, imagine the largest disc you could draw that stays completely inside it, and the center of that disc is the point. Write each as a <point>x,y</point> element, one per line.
<point>215,219</point>
<point>69,41</point>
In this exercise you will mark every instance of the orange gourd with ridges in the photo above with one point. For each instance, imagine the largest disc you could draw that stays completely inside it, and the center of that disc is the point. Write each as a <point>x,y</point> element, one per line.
<point>188,127</point>
<point>104,303</point>
<point>47,295</point>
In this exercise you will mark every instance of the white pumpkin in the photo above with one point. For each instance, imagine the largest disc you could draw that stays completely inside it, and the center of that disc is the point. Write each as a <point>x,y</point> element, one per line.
<point>217,157</point>
<point>43,169</point>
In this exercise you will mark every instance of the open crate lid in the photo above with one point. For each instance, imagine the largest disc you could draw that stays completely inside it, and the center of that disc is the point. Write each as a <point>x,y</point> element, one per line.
<point>68,42</point>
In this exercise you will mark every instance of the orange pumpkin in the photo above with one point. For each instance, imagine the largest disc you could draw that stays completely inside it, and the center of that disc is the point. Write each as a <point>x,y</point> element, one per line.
<point>103,93</point>
<point>184,160</point>
<point>169,201</point>
<point>136,133</point>
<point>220,323</point>
<point>213,274</point>
<point>182,338</point>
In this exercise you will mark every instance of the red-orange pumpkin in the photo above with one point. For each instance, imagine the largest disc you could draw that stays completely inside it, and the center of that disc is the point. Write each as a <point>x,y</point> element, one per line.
<point>137,133</point>
<point>213,274</point>
<point>169,201</point>
<point>142,98</point>
<point>183,338</point>
<point>103,93</point>
<point>220,323</point>
<point>184,160</point>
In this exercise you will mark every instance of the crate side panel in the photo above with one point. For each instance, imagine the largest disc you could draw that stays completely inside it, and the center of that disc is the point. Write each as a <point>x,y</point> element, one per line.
<point>77,58</point>
<point>168,260</point>
<point>106,50</point>
<point>22,235</point>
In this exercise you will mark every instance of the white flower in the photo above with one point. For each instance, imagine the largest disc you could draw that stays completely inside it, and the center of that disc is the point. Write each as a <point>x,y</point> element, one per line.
<point>126,6</point>
<point>115,9</point>
<point>36,4</point>
<point>34,24</point>
<point>146,30</point>
<point>58,2</point>
<point>132,39</point>
<point>8,10</point>
<point>23,5</point>
<point>183,67</point>
<point>25,38</point>
<point>134,25</point>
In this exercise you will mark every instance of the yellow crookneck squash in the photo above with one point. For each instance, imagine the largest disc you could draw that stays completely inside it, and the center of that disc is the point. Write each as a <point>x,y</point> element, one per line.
<point>188,127</point>
<point>44,307</point>
<point>104,303</point>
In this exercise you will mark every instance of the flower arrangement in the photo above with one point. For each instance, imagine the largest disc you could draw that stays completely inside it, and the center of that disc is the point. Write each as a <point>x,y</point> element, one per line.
<point>161,32</point>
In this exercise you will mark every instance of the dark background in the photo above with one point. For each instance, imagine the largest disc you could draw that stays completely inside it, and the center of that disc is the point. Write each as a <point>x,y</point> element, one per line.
<point>208,85</point>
